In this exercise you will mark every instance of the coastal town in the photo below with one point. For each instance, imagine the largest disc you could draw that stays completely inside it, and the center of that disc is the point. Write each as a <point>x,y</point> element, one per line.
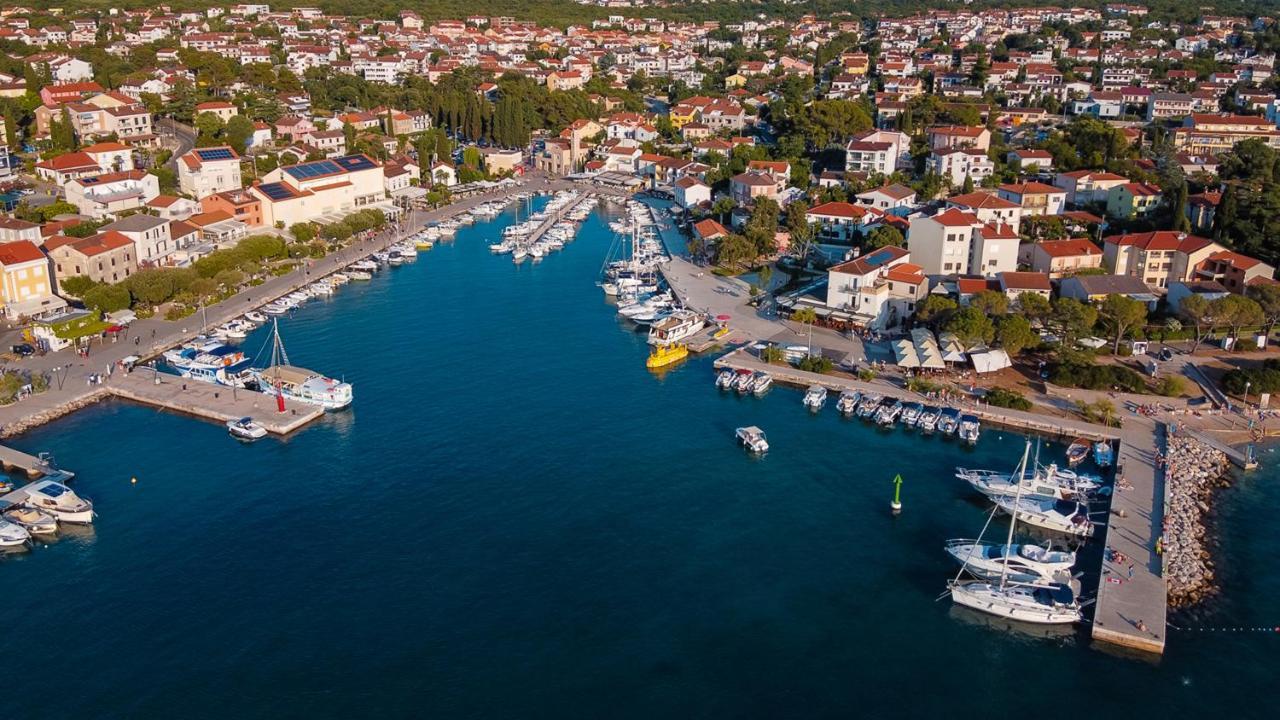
<point>1059,221</point>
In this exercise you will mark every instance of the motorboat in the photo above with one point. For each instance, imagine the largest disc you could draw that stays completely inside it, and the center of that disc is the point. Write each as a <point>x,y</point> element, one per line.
<point>12,534</point>
<point>246,429</point>
<point>1064,516</point>
<point>753,439</point>
<point>679,325</point>
<point>911,414</point>
<point>948,421</point>
<point>1077,452</point>
<point>848,402</point>
<point>969,429</point>
<point>815,397</point>
<point>37,522</point>
<point>870,403</point>
<point>1045,483</point>
<point>724,380</point>
<point>888,414</point>
<point>1103,453</point>
<point>255,317</point>
<point>761,382</point>
<point>60,501</point>
<point>362,275</point>
<point>928,421</point>
<point>1022,563</point>
<point>742,384</point>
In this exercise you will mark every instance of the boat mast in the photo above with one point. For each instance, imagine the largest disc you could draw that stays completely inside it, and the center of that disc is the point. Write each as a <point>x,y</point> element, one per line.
<point>1013,515</point>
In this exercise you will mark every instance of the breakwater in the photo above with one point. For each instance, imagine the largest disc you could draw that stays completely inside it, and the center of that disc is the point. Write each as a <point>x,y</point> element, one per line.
<point>1194,471</point>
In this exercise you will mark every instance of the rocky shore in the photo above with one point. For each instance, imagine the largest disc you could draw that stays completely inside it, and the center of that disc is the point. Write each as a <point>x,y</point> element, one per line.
<point>1194,471</point>
<point>53,413</point>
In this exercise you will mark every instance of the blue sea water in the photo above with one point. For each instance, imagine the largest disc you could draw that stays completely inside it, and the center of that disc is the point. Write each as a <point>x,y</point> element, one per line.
<point>517,519</point>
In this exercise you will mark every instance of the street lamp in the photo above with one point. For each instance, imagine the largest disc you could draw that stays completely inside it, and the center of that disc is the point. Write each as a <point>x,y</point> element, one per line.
<point>1246,394</point>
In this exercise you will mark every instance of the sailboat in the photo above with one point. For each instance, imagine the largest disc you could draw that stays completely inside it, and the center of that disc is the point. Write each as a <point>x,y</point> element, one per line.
<point>285,381</point>
<point>1043,603</point>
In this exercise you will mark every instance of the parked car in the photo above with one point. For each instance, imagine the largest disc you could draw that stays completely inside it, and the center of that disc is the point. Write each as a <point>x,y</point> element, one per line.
<point>23,350</point>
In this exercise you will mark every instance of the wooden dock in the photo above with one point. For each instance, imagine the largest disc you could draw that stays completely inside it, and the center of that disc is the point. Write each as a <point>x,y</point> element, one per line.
<point>211,402</point>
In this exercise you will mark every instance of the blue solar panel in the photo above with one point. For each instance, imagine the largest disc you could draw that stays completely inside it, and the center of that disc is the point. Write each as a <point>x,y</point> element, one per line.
<point>356,162</point>
<point>313,169</point>
<point>276,191</point>
<point>215,154</point>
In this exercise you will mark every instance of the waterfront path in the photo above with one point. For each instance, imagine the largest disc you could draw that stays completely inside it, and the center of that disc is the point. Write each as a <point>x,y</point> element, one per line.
<point>1131,612</point>
<point>70,386</point>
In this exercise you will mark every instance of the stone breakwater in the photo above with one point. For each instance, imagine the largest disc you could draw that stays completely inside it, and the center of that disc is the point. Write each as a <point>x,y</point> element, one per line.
<point>37,419</point>
<point>1194,470</point>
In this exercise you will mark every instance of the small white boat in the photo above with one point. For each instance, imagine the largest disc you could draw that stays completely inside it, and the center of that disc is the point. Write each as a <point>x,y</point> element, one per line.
<point>969,429</point>
<point>1064,516</point>
<point>724,380</point>
<point>761,383</point>
<point>360,275</point>
<point>815,398</point>
<point>1103,453</point>
<point>255,317</point>
<point>246,429</point>
<point>59,501</point>
<point>753,439</point>
<point>12,535</point>
<point>742,383</point>
<point>848,402</point>
<point>37,522</point>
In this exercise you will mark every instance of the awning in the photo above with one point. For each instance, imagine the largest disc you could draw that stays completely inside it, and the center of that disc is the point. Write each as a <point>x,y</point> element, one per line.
<point>927,349</point>
<point>904,352</point>
<point>990,361</point>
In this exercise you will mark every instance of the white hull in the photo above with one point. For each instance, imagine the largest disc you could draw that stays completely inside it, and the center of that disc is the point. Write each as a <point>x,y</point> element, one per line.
<point>1015,603</point>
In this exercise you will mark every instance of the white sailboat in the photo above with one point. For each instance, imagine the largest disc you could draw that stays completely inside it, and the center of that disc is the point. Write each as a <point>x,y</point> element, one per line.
<point>1044,603</point>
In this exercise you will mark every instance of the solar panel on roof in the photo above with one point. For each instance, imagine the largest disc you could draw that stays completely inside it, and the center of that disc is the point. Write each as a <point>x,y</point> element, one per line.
<point>215,154</point>
<point>356,162</point>
<point>276,191</point>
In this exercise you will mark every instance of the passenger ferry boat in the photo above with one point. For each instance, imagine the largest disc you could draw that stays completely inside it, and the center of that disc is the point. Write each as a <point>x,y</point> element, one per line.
<point>679,325</point>
<point>664,355</point>
<point>286,381</point>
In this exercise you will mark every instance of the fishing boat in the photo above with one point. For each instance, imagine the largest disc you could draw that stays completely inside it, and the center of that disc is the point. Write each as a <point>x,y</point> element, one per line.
<point>680,325</point>
<point>12,535</point>
<point>815,397</point>
<point>664,355</point>
<point>724,380</point>
<point>1103,453</point>
<point>1077,451</point>
<point>286,381</point>
<point>969,429</point>
<point>753,439</point>
<point>60,501</point>
<point>246,429</point>
<point>848,402</point>
<point>1023,563</point>
<point>761,383</point>
<point>1051,603</point>
<point>37,522</point>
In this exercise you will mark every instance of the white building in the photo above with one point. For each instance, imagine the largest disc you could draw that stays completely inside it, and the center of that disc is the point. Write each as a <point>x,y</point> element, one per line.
<point>878,289</point>
<point>323,190</point>
<point>940,244</point>
<point>205,171</point>
<point>102,196</point>
<point>956,163</point>
<point>150,235</point>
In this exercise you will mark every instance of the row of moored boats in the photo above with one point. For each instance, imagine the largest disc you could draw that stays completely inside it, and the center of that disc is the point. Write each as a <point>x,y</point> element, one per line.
<point>38,509</point>
<point>546,230</point>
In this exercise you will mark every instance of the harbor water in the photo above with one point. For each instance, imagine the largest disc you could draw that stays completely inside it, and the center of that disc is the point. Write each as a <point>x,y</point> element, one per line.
<point>517,519</point>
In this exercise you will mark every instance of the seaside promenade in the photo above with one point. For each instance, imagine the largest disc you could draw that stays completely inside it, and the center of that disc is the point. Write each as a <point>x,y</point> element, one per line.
<point>70,375</point>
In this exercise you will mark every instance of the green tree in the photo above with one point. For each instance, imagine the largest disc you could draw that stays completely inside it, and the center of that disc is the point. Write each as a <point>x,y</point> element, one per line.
<point>107,298</point>
<point>1196,310</point>
<point>237,133</point>
<point>934,310</point>
<point>722,207</point>
<point>1122,313</point>
<point>1034,307</point>
<point>76,286</point>
<point>971,326</point>
<point>1015,334</point>
<point>885,236</point>
<point>990,303</point>
<point>1267,296</point>
<point>1072,319</point>
<point>1236,311</point>
<point>806,316</point>
<point>209,126</point>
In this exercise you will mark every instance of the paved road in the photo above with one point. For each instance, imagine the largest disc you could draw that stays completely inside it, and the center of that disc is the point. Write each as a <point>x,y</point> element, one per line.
<point>183,135</point>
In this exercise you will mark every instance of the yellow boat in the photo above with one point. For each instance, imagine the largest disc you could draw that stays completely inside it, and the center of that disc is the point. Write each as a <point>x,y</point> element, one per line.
<point>663,355</point>
<point>720,333</point>
<point>422,244</point>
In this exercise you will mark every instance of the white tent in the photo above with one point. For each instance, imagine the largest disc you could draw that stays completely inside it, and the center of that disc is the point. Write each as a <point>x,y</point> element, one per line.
<point>927,349</point>
<point>990,361</point>
<point>951,347</point>
<point>905,352</point>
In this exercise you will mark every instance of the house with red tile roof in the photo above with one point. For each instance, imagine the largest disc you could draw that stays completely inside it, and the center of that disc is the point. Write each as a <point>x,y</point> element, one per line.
<point>1058,258</point>
<point>875,290</point>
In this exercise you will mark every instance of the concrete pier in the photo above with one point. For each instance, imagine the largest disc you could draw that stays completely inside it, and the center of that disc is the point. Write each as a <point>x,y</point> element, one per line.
<point>211,402</point>
<point>13,460</point>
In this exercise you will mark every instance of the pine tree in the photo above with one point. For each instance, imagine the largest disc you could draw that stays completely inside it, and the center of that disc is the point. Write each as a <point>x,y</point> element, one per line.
<point>968,185</point>
<point>1225,215</point>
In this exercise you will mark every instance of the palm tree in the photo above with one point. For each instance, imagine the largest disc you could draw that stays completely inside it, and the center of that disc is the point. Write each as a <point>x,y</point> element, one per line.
<point>808,316</point>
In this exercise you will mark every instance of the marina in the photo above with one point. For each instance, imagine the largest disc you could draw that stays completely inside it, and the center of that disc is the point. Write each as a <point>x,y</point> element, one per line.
<point>817,521</point>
